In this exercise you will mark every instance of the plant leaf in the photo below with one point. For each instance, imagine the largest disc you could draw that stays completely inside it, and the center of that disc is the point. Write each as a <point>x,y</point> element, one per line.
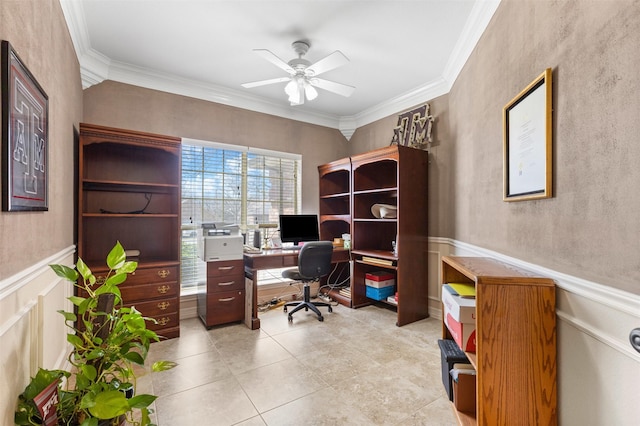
<point>68,316</point>
<point>74,340</point>
<point>84,270</point>
<point>116,257</point>
<point>141,401</point>
<point>65,272</point>
<point>163,365</point>
<point>116,279</point>
<point>89,371</point>
<point>134,357</point>
<point>96,353</point>
<point>128,267</point>
<point>76,300</point>
<point>109,404</point>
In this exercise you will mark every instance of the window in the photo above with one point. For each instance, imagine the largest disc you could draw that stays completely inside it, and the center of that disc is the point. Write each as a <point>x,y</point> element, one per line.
<point>226,183</point>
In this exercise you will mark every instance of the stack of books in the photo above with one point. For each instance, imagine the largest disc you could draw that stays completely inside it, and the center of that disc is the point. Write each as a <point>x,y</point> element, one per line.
<point>377,261</point>
<point>346,292</point>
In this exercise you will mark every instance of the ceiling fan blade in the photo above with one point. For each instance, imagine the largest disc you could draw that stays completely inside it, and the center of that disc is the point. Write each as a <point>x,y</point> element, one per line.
<point>332,86</point>
<point>265,82</point>
<point>334,60</point>
<point>266,54</point>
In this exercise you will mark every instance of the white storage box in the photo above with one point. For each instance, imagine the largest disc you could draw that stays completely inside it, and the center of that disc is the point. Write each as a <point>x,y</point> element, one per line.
<point>379,279</point>
<point>464,334</point>
<point>463,309</point>
<point>460,318</point>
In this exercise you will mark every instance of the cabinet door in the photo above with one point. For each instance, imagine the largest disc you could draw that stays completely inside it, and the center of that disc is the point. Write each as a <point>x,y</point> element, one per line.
<point>224,307</point>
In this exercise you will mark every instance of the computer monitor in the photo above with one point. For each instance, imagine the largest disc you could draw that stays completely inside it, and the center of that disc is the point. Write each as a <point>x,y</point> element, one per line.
<point>299,228</point>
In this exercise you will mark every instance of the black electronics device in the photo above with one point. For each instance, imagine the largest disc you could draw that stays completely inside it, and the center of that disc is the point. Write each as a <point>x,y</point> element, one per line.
<point>299,228</point>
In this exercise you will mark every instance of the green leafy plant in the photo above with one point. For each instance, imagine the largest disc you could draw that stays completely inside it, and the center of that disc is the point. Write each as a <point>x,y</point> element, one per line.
<point>108,340</point>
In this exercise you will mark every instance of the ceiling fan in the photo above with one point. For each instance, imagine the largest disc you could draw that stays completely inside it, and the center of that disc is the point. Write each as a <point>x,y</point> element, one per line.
<point>302,78</point>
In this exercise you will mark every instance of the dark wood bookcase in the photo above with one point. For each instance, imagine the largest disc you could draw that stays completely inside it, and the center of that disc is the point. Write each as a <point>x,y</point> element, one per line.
<point>395,175</point>
<point>129,191</point>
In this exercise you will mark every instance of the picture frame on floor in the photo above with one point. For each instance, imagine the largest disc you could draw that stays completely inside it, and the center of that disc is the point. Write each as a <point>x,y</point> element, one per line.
<point>25,136</point>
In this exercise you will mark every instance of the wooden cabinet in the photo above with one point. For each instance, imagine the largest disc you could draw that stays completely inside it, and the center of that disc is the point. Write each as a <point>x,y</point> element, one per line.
<point>224,301</point>
<point>129,191</point>
<point>394,175</point>
<point>515,357</point>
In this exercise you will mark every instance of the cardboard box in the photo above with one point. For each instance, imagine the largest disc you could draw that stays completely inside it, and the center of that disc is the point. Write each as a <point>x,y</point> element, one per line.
<point>462,309</point>
<point>379,293</point>
<point>379,279</point>
<point>464,393</point>
<point>464,334</point>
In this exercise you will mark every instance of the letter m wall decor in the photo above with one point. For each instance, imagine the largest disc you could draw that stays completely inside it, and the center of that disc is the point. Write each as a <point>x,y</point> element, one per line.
<point>25,136</point>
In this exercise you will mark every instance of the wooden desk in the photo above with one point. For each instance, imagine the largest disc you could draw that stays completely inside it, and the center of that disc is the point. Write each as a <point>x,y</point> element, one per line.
<point>272,259</point>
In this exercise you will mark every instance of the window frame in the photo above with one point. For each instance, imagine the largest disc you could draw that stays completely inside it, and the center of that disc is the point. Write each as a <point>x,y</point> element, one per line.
<point>189,229</point>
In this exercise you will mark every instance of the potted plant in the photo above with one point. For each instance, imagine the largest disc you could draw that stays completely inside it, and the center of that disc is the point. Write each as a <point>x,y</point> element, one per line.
<point>108,340</point>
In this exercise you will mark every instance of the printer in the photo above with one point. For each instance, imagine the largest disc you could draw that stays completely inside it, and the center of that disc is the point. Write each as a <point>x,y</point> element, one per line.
<point>219,241</point>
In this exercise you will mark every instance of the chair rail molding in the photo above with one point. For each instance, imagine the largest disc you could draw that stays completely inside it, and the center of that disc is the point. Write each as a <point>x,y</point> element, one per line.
<point>592,308</point>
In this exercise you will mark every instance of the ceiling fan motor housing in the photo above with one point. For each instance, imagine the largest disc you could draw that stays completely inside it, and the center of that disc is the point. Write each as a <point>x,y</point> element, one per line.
<point>299,64</point>
<point>300,47</point>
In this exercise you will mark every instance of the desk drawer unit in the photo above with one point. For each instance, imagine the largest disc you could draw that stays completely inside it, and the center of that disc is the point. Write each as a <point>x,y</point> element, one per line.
<point>223,300</point>
<point>155,292</point>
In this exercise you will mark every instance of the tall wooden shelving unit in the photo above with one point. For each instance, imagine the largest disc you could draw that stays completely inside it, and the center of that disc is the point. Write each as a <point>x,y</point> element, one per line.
<point>129,191</point>
<point>335,207</point>
<point>515,357</point>
<point>394,175</point>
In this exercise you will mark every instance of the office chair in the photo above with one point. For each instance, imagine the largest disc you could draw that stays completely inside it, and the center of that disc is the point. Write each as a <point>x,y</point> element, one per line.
<point>314,262</point>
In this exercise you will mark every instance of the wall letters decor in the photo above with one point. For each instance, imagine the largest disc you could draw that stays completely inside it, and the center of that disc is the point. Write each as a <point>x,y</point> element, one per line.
<point>414,128</point>
<point>25,136</point>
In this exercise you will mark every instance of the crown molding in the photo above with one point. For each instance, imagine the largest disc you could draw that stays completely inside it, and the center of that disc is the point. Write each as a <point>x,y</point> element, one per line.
<point>96,67</point>
<point>477,22</point>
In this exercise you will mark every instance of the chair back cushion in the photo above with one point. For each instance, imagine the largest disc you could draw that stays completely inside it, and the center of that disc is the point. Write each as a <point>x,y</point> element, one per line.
<point>314,259</point>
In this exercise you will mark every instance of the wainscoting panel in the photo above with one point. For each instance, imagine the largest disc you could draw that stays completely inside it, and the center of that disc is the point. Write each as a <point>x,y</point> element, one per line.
<point>32,332</point>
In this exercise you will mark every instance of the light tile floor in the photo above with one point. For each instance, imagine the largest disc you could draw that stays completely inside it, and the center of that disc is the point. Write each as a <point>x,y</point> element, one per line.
<point>355,368</point>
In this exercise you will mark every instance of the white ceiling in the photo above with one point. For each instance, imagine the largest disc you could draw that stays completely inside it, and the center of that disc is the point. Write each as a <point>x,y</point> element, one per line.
<point>402,52</point>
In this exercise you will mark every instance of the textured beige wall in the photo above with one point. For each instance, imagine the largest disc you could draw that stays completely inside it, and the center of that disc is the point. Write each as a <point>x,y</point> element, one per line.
<point>120,105</point>
<point>37,31</point>
<point>590,227</point>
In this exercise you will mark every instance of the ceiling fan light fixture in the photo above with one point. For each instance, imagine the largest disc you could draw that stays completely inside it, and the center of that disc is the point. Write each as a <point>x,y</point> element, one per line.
<point>295,90</point>
<point>310,92</point>
<point>291,88</point>
<point>302,74</point>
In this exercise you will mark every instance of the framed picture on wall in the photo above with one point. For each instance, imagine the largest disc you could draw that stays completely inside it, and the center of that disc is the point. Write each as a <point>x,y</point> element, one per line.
<point>25,136</point>
<point>527,142</point>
